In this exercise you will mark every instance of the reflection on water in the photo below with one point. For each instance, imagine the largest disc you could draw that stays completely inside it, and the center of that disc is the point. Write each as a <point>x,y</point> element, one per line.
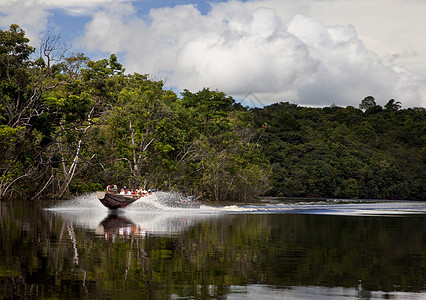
<point>299,249</point>
<point>116,224</point>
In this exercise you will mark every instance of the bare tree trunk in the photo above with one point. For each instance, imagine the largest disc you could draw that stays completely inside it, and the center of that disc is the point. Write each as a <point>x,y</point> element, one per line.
<point>138,151</point>
<point>69,174</point>
<point>5,185</point>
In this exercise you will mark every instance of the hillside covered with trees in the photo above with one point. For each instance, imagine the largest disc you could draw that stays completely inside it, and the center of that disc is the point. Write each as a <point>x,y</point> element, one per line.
<point>70,125</point>
<point>372,152</point>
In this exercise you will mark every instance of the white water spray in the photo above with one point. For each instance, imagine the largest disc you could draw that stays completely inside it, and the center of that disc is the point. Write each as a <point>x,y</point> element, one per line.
<point>153,214</point>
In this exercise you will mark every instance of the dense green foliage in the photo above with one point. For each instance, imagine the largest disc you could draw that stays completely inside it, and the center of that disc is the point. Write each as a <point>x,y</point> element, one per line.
<point>346,152</point>
<point>70,125</point>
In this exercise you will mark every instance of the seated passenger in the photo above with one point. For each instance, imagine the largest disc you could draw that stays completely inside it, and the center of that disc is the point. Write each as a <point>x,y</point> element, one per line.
<point>134,193</point>
<point>125,191</point>
<point>112,188</point>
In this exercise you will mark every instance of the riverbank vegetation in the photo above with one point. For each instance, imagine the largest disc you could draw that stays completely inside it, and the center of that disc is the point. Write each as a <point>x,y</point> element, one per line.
<point>341,152</point>
<point>70,125</point>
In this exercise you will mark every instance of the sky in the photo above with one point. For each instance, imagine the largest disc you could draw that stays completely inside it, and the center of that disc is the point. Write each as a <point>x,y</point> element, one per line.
<point>309,52</point>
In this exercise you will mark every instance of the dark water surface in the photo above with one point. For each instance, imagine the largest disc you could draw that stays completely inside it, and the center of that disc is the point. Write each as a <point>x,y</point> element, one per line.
<point>280,249</point>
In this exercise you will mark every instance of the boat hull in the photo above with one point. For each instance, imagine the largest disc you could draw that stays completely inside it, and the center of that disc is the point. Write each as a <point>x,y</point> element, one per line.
<point>114,201</point>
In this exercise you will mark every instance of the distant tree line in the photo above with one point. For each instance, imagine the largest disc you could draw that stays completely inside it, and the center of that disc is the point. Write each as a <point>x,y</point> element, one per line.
<point>371,152</point>
<point>70,125</point>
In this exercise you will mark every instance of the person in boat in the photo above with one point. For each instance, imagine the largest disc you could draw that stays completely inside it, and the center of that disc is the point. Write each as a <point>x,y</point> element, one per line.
<point>125,191</point>
<point>182,197</point>
<point>134,193</point>
<point>112,188</point>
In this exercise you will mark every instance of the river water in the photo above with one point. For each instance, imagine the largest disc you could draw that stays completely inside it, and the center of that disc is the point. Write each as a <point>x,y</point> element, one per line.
<point>276,249</point>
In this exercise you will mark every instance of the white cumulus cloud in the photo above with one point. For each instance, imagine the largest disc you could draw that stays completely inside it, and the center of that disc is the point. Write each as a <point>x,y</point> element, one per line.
<point>29,17</point>
<point>241,49</point>
<point>309,52</point>
<point>32,15</point>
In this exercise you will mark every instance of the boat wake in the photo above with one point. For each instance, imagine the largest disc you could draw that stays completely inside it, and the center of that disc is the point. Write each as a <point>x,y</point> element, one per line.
<point>154,214</point>
<point>165,202</point>
<point>344,207</point>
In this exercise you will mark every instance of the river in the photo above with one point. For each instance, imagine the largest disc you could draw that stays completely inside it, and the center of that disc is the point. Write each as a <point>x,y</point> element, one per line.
<point>275,249</point>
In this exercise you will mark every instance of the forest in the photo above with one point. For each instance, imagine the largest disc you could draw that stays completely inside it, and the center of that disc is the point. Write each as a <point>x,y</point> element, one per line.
<point>70,125</point>
<point>372,152</point>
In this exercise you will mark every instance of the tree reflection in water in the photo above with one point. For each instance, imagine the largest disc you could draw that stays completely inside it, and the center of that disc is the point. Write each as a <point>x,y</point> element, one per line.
<point>209,257</point>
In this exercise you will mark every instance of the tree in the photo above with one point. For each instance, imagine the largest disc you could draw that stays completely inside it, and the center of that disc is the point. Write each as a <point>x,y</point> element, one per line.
<point>17,106</point>
<point>44,111</point>
<point>367,103</point>
<point>226,161</point>
<point>393,105</point>
<point>135,126</point>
